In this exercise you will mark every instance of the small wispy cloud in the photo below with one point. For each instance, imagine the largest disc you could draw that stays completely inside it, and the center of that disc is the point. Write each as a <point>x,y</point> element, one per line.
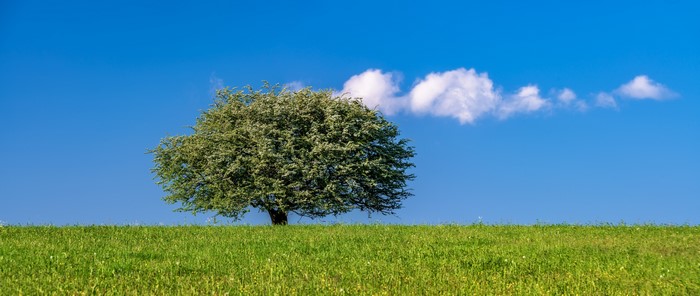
<point>566,95</point>
<point>641,88</point>
<point>294,85</point>
<point>215,83</point>
<point>580,105</point>
<point>566,98</point>
<point>526,100</point>
<point>605,100</point>
<point>467,95</point>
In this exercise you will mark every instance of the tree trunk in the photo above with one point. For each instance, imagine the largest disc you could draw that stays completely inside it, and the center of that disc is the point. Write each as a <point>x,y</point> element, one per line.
<point>278,217</point>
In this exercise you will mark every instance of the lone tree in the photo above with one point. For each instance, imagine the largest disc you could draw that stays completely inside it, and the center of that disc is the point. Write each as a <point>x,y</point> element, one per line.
<point>304,152</point>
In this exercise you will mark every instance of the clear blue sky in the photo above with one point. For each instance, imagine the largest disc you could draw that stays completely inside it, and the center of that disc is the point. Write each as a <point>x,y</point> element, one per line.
<point>520,111</point>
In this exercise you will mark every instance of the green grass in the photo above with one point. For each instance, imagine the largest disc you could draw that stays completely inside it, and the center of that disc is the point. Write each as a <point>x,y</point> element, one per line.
<point>350,259</point>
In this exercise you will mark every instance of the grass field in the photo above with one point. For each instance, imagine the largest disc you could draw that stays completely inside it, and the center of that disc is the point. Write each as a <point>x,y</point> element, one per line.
<point>350,259</point>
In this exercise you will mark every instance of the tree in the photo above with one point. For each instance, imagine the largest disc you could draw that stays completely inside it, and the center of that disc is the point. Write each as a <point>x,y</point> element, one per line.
<point>304,152</point>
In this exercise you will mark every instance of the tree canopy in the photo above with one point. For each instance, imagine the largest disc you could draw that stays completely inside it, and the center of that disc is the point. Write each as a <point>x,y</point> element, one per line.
<point>305,152</point>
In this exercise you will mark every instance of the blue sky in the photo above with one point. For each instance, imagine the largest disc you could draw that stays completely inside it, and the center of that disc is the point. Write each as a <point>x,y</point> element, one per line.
<point>520,112</point>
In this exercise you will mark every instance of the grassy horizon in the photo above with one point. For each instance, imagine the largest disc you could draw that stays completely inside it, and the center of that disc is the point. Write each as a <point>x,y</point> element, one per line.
<point>351,259</point>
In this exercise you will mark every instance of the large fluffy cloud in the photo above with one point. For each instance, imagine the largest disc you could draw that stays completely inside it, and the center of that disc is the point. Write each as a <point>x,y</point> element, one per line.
<point>641,87</point>
<point>377,90</point>
<point>462,94</point>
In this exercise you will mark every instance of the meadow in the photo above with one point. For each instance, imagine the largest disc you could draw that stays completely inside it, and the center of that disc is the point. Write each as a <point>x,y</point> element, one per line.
<point>351,259</point>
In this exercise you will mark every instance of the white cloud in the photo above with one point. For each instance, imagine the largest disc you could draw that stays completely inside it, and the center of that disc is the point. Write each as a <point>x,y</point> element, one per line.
<point>526,100</point>
<point>567,99</point>
<point>294,85</point>
<point>468,95</point>
<point>462,94</point>
<point>566,96</point>
<point>605,100</point>
<point>641,87</point>
<point>215,83</point>
<point>581,106</point>
<point>377,90</point>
